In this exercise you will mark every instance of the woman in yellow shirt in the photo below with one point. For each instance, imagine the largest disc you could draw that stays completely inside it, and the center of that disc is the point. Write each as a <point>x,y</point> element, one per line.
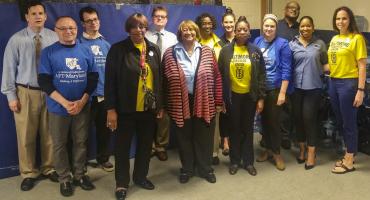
<point>347,63</point>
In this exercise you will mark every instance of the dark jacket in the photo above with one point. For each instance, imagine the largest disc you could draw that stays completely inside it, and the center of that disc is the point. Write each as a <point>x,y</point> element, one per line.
<point>257,90</point>
<point>122,74</point>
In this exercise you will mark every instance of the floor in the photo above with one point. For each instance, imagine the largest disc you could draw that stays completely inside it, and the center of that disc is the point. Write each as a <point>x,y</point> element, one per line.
<point>293,183</point>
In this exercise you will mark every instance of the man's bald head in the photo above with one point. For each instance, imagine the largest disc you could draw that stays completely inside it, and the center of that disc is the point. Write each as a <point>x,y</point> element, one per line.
<point>66,28</point>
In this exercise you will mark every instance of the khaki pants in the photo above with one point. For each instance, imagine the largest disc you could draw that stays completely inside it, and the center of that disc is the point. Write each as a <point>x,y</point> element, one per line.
<point>216,137</point>
<point>162,136</point>
<point>31,120</point>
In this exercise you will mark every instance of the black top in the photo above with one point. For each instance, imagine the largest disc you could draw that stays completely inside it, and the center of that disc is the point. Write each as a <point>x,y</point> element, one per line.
<point>284,31</point>
<point>223,41</point>
<point>122,74</point>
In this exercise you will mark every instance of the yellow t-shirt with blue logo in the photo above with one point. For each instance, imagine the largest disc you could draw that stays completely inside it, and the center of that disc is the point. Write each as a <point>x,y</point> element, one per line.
<point>240,70</point>
<point>343,53</point>
<point>140,89</point>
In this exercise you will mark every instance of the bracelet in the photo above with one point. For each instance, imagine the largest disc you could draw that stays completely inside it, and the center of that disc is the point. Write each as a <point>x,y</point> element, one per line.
<point>361,89</point>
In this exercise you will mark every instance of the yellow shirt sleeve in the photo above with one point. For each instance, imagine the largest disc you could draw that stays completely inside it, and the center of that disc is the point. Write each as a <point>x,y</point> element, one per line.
<point>361,51</point>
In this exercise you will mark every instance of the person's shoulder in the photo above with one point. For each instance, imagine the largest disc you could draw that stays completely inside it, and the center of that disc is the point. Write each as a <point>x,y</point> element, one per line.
<point>282,41</point>
<point>358,36</point>
<point>257,39</point>
<point>19,35</point>
<point>120,44</point>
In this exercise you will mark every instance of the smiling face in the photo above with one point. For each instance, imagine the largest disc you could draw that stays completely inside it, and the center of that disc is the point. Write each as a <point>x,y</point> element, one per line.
<point>36,17</point>
<point>91,22</point>
<point>342,21</point>
<point>66,30</point>
<point>188,34</point>
<point>137,34</point>
<point>292,10</point>
<point>228,23</point>
<point>269,29</point>
<point>306,28</point>
<point>206,26</point>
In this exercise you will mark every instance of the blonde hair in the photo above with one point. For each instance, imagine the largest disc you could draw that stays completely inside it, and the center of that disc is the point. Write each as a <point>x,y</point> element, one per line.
<point>190,24</point>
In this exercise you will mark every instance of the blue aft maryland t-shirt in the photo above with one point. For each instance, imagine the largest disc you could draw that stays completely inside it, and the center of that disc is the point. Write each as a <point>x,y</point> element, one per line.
<point>99,48</point>
<point>68,66</point>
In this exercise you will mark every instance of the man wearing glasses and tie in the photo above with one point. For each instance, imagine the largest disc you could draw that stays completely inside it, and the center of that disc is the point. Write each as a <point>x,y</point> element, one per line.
<point>164,39</point>
<point>25,98</point>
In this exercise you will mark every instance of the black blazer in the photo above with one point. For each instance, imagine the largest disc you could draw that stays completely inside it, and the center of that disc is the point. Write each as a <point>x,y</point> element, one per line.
<point>122,74</point>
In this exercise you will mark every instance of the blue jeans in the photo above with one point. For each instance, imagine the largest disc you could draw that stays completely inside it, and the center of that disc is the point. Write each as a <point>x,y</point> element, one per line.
<point>342,93</point>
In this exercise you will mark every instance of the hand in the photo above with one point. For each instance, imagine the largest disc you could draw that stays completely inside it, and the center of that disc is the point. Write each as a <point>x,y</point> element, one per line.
<point>260,104</point>
<point>358,99</point>
<point>219,109</point>
<point>223,108</point>
<point>160,114</point>
<point>281,99</point>
<point>76,107</point>
<point>112,119</point>
<point>15,106</point>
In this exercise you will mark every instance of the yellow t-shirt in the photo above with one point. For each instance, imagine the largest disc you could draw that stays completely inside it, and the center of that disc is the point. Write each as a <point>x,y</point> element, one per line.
<point>240,70</point>
<point>149,84</point>
<point>343,53</point>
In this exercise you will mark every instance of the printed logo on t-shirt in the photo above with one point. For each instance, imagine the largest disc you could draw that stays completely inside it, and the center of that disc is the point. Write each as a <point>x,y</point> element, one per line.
<point>72,63</point>
<point>336,46</point>
<point>96,50</point>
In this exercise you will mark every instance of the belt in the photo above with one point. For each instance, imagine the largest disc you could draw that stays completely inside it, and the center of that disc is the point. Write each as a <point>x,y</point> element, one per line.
<point>28,86</point>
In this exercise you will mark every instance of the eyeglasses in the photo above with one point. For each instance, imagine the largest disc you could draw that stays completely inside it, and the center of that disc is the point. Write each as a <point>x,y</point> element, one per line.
<point>66,28</point>
<point>160,16</point>
<point>90,21</point>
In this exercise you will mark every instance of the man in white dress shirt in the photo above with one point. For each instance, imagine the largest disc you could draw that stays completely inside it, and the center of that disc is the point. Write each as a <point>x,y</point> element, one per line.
<point>164,39</point>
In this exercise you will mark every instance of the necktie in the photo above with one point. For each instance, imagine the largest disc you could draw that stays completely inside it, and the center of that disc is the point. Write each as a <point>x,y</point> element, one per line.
<point>159,40</point>
<point>37,40</point>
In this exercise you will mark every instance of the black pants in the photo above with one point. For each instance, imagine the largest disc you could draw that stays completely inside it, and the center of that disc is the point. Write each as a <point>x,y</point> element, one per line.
<point>99,119</point>
<point>242,113</point>
<point>270,121</point>
<point>306,104</point>
<point>287,120</point>
<point>225,124</point>
<point>143,125</point>
<point>195,145</point>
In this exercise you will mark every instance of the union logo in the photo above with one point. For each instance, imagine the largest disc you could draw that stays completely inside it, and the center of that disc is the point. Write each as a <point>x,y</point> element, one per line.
<point>72,63</point>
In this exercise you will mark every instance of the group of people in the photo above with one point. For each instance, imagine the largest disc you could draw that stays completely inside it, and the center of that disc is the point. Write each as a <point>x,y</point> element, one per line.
<point>208,88</point>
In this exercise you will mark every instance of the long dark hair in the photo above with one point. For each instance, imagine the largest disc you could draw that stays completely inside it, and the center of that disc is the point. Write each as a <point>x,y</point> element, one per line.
<point>352,28</point>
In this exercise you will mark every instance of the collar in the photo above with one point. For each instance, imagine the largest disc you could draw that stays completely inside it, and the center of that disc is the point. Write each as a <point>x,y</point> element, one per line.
<point>295,24</point>
<point>131,45</point>
<point>33,34</point>
<point>89,37</point>
<point>179,45</point>
<point>296,39</point>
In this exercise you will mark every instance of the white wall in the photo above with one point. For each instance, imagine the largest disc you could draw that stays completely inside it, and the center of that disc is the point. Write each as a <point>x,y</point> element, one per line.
<point>322,10</point>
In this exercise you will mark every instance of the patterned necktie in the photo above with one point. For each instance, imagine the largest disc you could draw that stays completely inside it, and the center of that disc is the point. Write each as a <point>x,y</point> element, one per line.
<point>159,40</point>
<point>37,40</point>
